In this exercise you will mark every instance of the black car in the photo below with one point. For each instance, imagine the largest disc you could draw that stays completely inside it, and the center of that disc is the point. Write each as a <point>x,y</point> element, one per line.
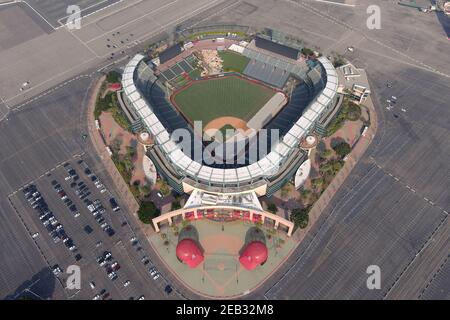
<point>168,289</point>
<point>73,208</point>
<point>88,229</point>
<point>77,257</point>
<point>93,178</point>
<point>114,204</point>
<point>87,171</point>
<point>73,185</point>
<point>54,183</point>
<point>109,231</point>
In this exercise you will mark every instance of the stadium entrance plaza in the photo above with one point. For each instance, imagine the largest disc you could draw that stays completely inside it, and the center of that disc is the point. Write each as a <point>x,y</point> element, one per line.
<point>221,275</point>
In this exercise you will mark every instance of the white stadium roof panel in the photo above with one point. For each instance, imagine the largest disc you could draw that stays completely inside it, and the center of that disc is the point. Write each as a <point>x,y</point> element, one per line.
<point>126,77</point>
<point>290,140</point>
<point>139,104</point>
<point>329,93</point>
<point>177,156</point>
<point>304,123</point>
<point>230,175</point>
<point>152,119</point>
<point>193,168</point>
<point>243,174</point>
<point>296,131</point>
<point>129,90</point>
<point>317,107</point>
<point>310,115</point>
<point>332,79</point>
<point>129,69</point>
<point>274,157</point>
<point>162,137</point>
<point>158,129</point>
<point>331,85</point>
<point>267,166</point>
<point>324,100</point>
<point>127,82</point>
<point>184,162</point>
<point>169,146</point>
<point>255,170</point>
<point>134,96</point>
<point>217,175</point>
<point>204,173</point>
<point>144,112</point>
<point>282,149</point>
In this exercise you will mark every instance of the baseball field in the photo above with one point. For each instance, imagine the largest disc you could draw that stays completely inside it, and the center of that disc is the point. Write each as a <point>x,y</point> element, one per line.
<point>229,96</point>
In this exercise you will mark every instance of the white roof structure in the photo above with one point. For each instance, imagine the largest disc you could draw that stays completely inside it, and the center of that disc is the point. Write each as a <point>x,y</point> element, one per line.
<point>267,166</point>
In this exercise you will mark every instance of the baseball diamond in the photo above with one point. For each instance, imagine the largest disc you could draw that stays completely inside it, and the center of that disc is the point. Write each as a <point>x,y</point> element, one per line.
<point>206,100</point>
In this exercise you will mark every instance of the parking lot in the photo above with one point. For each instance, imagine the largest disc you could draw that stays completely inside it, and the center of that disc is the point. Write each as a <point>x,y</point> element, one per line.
<point>69,215</point>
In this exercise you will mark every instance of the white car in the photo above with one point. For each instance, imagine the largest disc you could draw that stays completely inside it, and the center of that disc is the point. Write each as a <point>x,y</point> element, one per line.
<point>77,215</point>
<point>141,298</point>
<point>103,191</point>
<point>72,248</point>
<point>156,276</point>
<point>126,283</point>
<point>133,239</point>
<point>159,194</point>
<point>96,297</point>
<point>35,235</point>
<point>92,284</point>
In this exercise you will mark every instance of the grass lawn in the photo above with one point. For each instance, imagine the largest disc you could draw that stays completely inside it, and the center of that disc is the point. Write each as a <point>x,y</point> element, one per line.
<point>233,96</point>
<point>233,61</point>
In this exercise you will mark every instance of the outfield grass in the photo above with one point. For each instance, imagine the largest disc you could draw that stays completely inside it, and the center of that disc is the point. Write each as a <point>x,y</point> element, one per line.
<point>233,61</point>
<point>233,96</point>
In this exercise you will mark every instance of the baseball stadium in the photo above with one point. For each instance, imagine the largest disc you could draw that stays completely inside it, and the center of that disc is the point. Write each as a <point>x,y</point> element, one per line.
<point>234,83</point>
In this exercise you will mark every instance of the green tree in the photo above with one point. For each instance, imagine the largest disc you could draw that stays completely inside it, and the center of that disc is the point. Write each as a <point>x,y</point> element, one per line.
<point>325,153</point>
<point>285,190</point>
<point>271,207</point>
<point>175,205</point>
<point>147,211</point>
<point>144,190</point>
<point>113,77</point>
<point>353,111</point>
<point>342,149</point>
<point>164,188</point>
<point>307,51</point>
<point>300,217</point>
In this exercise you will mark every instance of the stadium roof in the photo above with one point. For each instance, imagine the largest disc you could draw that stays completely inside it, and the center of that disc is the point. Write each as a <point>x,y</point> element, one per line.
<point>277,48</point>
<point>253,255</point>
<point>189,252</point>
